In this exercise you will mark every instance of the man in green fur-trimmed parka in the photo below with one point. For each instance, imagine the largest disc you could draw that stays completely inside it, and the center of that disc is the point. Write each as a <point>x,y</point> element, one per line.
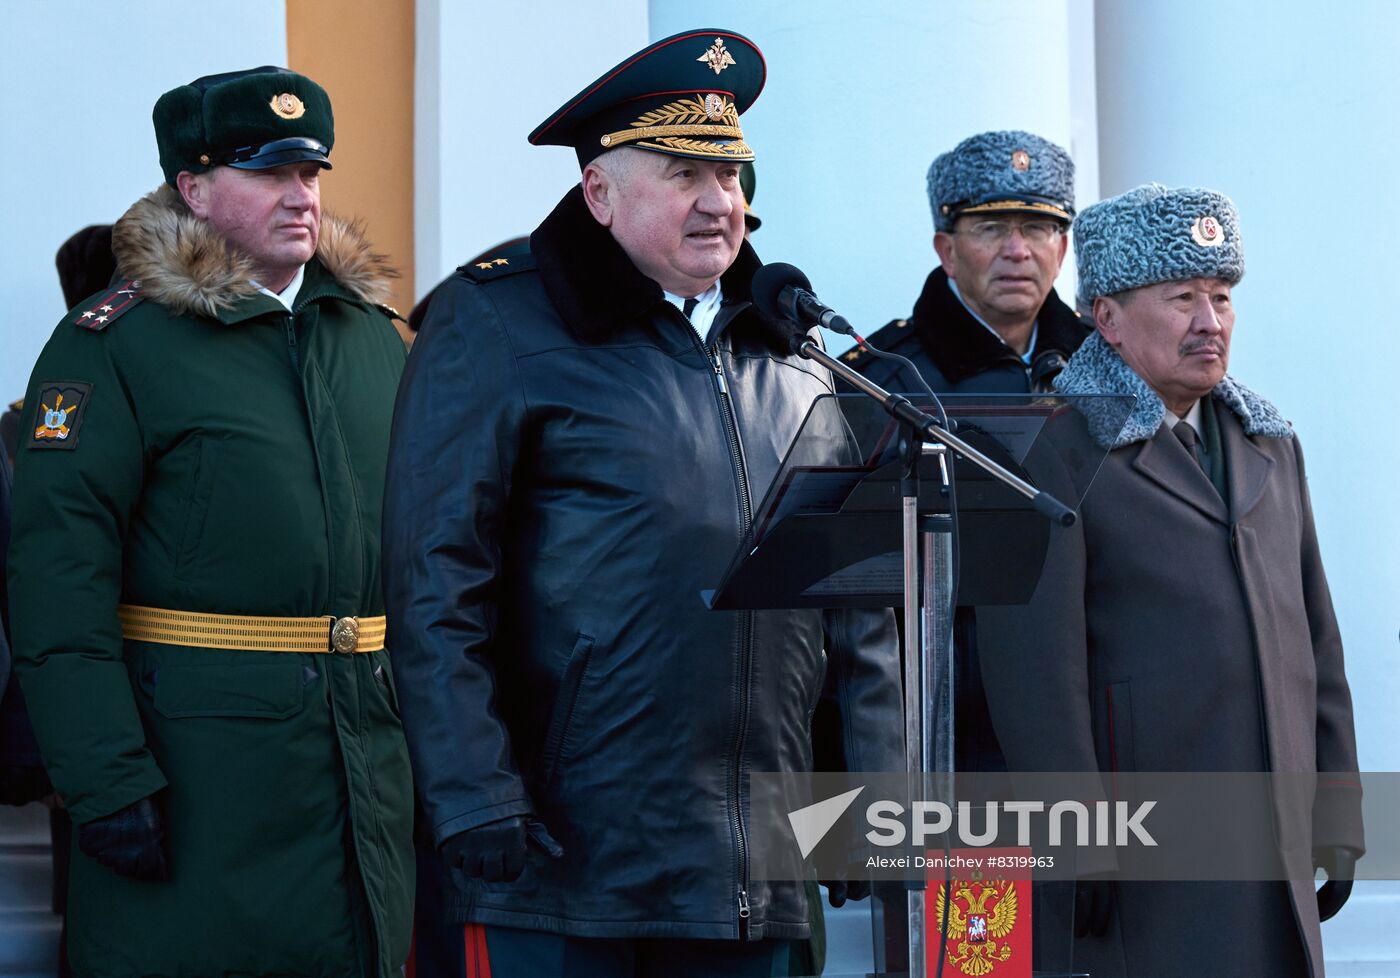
<point>194,574</point>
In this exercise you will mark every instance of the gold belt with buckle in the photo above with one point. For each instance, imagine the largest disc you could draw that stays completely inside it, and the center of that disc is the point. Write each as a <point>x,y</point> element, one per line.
<point>252,633</point>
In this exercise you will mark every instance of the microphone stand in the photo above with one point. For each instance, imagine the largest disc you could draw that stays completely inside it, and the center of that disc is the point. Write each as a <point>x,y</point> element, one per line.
<point>929,599</point>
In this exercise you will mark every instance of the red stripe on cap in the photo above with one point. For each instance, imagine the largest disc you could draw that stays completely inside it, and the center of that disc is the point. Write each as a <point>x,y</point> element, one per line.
<point>627,64</point>
<point>683,91</point>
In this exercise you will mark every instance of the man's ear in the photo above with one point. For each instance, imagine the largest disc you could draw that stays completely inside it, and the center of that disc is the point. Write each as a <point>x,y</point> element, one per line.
<point>943,245</point>
<point>194,188</point>
<point>598,194</point>
<point>1108,317</point>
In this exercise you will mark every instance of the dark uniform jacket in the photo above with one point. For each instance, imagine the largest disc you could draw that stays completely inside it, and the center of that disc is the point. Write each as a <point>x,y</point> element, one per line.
<point>1183,631</point>
<point>958,355</point>
<point>4,549</point>
<point>572,467</point>
<point>221,455</point>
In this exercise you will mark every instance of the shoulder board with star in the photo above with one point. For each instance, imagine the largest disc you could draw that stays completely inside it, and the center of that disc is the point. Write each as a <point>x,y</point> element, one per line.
<point>498,266</point>
<point>117,300</point>
<point>883,338</point>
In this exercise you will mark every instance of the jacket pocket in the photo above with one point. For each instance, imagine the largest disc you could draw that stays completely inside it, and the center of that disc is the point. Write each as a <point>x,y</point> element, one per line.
<point>255,688</point>
<point>384,676</point>
<point>196,507</point>
<point>1120,727</point>
<point>564,706</point>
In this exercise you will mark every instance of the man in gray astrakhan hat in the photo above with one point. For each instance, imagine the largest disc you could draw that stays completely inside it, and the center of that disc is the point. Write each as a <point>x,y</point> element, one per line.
<point>1187,625</point>
<point>988,319</point>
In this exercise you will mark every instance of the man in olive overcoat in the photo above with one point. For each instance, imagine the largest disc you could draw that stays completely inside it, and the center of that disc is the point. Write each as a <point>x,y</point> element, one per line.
<point>194,574</point>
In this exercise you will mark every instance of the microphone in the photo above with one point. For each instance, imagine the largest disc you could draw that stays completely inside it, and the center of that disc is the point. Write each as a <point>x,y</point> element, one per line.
<point>781,291</point>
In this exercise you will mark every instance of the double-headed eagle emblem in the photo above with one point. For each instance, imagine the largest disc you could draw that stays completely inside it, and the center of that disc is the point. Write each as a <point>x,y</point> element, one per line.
<point>717,56</point>
<point>981,914</point>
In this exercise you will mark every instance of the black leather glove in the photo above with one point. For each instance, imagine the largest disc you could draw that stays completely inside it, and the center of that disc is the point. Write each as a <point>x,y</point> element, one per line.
<point>130,841</point>
<point>495,852</point>
<point>1093,906</point>
<point>839,891</point>
<point>1340,865</point>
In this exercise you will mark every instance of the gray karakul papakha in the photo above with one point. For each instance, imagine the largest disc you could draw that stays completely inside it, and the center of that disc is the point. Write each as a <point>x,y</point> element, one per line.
<point>1155,234</point>
<point>1004,170</point>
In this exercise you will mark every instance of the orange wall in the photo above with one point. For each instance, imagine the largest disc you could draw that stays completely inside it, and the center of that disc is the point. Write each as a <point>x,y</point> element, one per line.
<point>361,52</point>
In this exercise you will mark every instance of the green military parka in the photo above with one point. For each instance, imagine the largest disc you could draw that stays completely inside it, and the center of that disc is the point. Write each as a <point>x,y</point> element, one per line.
<point>221,455</point>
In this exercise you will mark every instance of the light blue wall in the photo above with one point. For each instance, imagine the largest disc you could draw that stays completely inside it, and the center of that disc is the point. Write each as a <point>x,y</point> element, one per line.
<point>79,81</point>
<point>487,74</point>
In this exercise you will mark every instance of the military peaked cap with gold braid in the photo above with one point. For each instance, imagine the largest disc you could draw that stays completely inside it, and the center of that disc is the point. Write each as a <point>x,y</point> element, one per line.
<point>681,96</point>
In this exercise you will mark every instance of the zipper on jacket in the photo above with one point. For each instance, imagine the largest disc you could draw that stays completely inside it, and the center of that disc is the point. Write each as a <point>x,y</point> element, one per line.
<point>292,349</point>
<point>719,378</point>
<point>744,643</point>
<point>745,637</point>
<point>291,329</point>
<point>731,431</point>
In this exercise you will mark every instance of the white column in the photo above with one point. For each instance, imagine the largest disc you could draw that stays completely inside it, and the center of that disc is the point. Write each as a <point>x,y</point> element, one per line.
<point>859,100</point>
<point>80,80</point>
<point>487,74</point>
<point>1291,109</point>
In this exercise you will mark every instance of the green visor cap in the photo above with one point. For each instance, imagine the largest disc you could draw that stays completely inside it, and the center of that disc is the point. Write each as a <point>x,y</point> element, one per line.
<point>252,120</point>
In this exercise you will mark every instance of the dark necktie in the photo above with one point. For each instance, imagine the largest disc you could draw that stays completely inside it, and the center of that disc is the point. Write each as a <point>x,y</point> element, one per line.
<point>690,305</point>
<point>1187,435</point>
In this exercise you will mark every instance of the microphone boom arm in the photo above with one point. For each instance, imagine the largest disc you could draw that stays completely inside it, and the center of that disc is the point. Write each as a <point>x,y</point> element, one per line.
<point>903,410</point>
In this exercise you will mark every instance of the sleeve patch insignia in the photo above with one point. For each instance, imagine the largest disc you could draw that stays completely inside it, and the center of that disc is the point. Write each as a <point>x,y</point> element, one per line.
<point>62,407</point>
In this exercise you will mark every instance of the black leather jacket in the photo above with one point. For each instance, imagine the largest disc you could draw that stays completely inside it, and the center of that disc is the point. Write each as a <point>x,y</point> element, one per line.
<point>570,468</point>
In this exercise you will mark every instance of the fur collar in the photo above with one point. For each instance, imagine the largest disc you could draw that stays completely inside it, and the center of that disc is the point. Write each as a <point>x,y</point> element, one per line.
<point>960,346</point>
<point>182,264</point>
<point>1098,369</point>
<point>594,286</point>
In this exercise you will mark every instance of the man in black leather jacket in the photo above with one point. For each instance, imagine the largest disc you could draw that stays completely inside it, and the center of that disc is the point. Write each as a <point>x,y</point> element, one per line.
<point>577,452</point>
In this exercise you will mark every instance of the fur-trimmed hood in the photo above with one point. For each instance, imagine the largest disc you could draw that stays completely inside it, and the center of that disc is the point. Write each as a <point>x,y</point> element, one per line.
<point>594,286</point>
<point>183,264</point>
<point>1096,368</point>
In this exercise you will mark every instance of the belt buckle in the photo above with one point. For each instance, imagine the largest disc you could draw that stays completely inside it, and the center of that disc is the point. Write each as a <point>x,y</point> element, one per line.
<point>345,634</point>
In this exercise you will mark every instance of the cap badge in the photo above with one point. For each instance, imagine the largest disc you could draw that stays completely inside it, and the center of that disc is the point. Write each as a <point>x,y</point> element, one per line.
<point>717,56</point>
<point>288,106</point>
<point>1021,160</point>
<point>714,107</point>
<point>1205,231</point>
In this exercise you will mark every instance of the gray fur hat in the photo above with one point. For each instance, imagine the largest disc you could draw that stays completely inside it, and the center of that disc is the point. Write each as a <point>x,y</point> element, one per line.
<point>1008,170</point>
<point>1156,234</point>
